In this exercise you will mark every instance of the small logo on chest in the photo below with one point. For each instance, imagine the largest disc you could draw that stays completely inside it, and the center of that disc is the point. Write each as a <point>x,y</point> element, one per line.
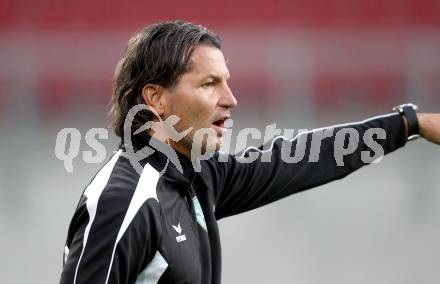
<point>180,237</point>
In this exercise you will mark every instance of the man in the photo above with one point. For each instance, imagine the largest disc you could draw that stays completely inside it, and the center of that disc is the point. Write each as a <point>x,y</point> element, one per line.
<point>144,219</point>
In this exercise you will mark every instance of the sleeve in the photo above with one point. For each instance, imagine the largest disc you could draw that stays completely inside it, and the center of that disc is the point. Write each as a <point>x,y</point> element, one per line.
<point>109,241</point>
<point>261,176</point>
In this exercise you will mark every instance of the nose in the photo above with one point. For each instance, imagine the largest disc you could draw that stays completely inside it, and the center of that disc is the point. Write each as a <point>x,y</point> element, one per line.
<point>227,99</point>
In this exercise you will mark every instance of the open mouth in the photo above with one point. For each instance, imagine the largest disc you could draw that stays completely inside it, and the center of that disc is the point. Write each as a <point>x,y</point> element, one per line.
<point>220,123</point>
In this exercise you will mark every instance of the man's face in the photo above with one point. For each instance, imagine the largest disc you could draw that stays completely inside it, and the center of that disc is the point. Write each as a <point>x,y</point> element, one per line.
<point>201,98</point>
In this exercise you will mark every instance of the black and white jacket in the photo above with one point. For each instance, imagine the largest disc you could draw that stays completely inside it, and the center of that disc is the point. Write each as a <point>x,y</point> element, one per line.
<point>151,228</point>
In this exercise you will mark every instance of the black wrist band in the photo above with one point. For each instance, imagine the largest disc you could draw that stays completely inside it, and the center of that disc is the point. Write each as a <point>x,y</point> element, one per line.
<point>409,111</point>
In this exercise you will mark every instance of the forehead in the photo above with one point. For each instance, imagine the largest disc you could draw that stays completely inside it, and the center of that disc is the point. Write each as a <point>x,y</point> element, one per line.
<point>207,60</point>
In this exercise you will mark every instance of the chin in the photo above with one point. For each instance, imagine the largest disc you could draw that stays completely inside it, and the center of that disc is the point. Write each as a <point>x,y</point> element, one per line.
<point>211,146</point>
<point>216,144</point>
<point>208,142</point>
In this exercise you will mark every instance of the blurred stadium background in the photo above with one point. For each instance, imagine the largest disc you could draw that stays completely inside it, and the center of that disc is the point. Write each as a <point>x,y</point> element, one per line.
<point>301,64</point>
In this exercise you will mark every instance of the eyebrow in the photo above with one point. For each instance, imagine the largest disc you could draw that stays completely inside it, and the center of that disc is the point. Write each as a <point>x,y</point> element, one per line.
<point>216,77</point>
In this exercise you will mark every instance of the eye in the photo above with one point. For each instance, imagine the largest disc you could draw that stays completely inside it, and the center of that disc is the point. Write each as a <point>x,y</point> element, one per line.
<point>208,84</point>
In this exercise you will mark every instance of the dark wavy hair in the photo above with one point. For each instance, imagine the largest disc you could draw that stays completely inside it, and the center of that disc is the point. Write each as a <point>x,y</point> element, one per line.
<point>159,54</point>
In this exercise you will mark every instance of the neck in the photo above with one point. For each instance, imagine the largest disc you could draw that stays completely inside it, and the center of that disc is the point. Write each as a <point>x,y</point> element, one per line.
<point>181,149</point>
<point>162,136</point>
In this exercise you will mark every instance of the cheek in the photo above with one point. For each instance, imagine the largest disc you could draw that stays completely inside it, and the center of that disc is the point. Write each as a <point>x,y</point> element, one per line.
<point>194,107</point>
<point>199,113</point>
<point>187,116</point>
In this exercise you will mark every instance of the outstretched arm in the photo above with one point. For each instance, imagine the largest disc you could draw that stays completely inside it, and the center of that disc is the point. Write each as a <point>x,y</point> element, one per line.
<point>246,186</point>
<point>309,160</point>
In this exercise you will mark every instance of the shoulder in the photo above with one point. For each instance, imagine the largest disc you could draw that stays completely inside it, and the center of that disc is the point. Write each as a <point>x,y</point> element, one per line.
<point>117,213</point>
<point>119,190</point>
<point>119,178</point>
<point>118,198</point>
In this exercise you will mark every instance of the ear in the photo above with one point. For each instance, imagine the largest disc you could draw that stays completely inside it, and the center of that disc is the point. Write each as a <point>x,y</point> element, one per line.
<point>154,97</point>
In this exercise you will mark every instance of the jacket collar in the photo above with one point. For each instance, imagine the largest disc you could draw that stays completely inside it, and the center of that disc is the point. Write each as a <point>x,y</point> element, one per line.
<point>160,161</point>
